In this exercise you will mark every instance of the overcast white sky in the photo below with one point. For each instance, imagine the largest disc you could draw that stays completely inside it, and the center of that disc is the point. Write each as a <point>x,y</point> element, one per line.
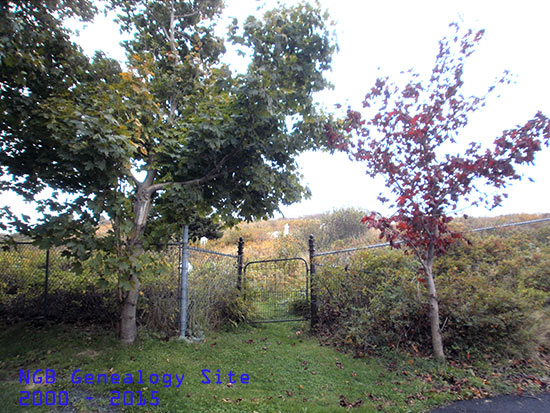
<point>399,35</point>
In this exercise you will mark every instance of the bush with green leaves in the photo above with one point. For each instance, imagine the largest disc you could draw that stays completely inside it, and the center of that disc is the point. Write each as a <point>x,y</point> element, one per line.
<point>370,300</point>
<point>339,225</point>
<point>493,297</point>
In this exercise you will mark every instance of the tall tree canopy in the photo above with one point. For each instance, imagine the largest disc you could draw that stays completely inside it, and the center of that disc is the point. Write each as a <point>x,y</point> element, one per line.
<point>175,137</point>
<point>407,137</point>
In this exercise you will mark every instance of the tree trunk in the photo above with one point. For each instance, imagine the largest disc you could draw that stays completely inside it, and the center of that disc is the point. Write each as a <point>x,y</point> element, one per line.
<point>437,342</point>
<point>142,204</point>
<point>128,326</point>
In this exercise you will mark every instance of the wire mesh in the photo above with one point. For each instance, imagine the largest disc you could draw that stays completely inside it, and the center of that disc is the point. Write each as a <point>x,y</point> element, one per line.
<point>212,290</point>
<point>44,283</point>
<point>278,289</point>
<point>157,307</point>
<point>22,272</point>
<point>356,278</point>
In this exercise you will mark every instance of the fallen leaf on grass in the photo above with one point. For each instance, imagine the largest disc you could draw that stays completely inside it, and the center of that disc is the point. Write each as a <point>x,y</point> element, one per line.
<point>519,390</point>
<point>374,398</point>
<point>344,403</point>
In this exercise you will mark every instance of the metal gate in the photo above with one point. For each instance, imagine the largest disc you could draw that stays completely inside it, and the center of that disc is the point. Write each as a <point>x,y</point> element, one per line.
<point>278,289</point>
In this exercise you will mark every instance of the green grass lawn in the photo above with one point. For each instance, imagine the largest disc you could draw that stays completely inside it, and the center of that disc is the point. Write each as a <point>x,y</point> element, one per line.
<point>287,371</point>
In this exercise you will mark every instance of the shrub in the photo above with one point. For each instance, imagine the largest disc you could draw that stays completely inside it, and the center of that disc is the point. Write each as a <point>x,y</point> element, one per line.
<point>300,307</point>
<point>488,293</point>
<point>341,224</point>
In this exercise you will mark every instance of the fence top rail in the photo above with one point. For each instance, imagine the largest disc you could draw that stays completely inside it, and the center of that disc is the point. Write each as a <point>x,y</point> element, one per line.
<point>212,252</point>
<point>170,244</point>
<point>386,244</point>
<point>368,247</point>
<point>276,260</point>
<point>513,224</point>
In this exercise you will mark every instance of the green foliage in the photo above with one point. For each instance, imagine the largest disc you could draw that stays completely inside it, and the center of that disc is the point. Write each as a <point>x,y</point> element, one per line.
<point>232,309</point>
<point>214,146</point>
<point>491,296</point>
<point>37,61</point>
<point>372,303</point>
<point>341,224</point>
<point>300,307</point>
<point>214,142</point>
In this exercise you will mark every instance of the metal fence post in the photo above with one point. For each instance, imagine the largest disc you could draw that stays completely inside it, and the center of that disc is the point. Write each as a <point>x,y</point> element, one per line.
<point>184,265</point>
<point>313,283</point>
<point>46,280</point>
<point>240,253</point>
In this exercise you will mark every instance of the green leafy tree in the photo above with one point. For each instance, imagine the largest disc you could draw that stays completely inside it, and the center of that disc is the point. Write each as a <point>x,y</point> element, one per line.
<point>341,224</point>
<point>174,137</point>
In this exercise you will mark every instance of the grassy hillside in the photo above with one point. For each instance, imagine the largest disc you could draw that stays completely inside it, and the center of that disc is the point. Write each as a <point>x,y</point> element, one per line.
<point>262,243</point>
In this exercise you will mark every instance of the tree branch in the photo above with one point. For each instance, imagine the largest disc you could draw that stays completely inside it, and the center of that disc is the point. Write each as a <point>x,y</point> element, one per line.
<point>212,174</point>
<point>150,177</point>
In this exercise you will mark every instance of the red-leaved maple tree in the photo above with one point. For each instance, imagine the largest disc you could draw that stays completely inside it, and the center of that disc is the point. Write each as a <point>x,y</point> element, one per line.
<point>405,138</point>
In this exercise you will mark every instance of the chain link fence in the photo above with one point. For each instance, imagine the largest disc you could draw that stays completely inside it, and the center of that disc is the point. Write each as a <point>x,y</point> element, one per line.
<point>37,283</point>
<point>375,295</point>
<point>43,283</point>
